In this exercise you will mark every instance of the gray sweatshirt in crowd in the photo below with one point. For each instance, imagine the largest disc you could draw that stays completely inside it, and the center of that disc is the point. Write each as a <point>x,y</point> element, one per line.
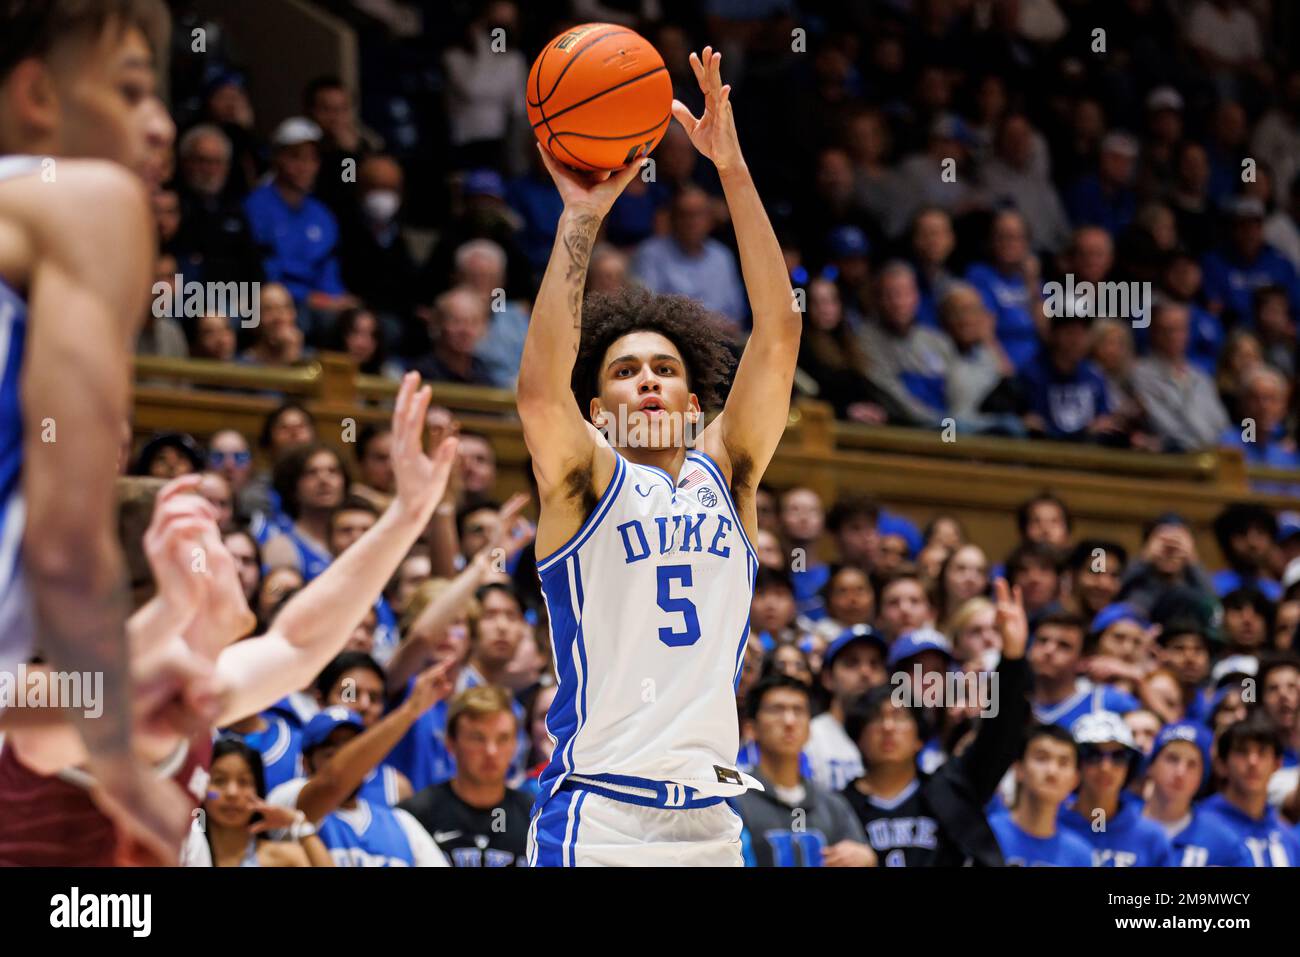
<point>781,834</point>
<point>1182,406</point>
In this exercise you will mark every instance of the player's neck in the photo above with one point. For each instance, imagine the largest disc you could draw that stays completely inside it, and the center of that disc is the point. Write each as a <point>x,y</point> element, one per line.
<point>1034,816</point>
<point>1253,805</point>
<point>478,794</point>
<point>781,770</point>
<point>1165,809</point>
<point>669,460</point>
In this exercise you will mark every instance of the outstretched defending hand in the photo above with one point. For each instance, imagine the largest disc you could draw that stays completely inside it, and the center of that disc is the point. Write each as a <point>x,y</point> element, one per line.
<point>421,479</point>
<point>714,133</point>
<point>595,191</point>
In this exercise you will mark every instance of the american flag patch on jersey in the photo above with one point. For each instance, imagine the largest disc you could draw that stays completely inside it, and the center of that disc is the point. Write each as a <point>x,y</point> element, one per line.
<point>695,477</point>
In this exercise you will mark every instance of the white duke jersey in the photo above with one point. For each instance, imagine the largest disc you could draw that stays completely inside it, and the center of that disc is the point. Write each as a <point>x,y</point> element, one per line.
<point>649,610</point>
<point>17,627</point>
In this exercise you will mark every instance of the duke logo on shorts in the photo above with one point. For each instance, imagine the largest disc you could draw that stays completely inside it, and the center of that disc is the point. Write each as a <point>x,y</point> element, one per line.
<point>649,609</point>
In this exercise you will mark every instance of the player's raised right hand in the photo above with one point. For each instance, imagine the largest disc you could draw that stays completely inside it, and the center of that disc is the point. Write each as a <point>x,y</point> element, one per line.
<point>593,191</point>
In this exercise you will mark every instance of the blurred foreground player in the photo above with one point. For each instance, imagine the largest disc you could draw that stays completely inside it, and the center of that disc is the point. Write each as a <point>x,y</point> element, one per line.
<point>76,255</point>
<point>643,543</point>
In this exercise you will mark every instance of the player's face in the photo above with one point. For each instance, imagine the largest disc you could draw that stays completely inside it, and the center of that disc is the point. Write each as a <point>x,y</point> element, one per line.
<point>377,465</point>
<point>1055,651</point>
<point>890,737</point>
<point>361,690</point>
<point>1188,658</point>
<point>99,86</point>
<point>347,527</point>
<point>231,792</point>
<point>1250,766</point>
<point>1176,772</point>
<point>500,628</point>
<point>483,746</point>
<point>1048,770</point>
<point>781,727</point>
<point>855,670</point>
<point>1281,697</point>
<point>772,609</point>
<point>904,606</point>
<point>643,384</point>
<point>321,485</point>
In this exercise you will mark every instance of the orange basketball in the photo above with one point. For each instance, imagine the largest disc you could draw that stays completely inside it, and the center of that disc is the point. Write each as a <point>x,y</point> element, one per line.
<point>599,96</point>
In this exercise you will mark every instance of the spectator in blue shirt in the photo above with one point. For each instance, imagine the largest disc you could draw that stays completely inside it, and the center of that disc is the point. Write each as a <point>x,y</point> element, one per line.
<point>297,233</point>
<point>1029,833</point>
<point>1054,657</point>
<point>481,265</point>
<point>1107,198</point>
<point>1010,286</point>
<point>1108,758</point>
<point>1262,434</point>
<point>1234,273</point>
<point>1177,769</point>
<point>1065,395</point>
<point>1250,751</point>
<point>689,262</point>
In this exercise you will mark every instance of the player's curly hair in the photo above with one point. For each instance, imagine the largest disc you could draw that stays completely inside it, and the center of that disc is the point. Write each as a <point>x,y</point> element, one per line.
<point>696,332</point>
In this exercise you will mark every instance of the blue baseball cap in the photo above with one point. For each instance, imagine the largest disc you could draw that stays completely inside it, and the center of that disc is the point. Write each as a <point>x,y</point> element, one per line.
<point>327,722</point>
<point>1190,731</point>
<point>914,642</point>
<point>1120,611</point>
<point>849,241</point>
<point>863,633</point>
<point>1288,526</point>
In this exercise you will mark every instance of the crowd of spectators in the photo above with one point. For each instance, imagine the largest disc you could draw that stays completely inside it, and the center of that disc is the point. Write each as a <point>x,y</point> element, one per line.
<point>929,167</point>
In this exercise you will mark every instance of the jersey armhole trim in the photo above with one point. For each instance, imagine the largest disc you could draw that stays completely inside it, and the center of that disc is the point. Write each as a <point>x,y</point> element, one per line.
<point>712,468</point>
<point>597,515</point>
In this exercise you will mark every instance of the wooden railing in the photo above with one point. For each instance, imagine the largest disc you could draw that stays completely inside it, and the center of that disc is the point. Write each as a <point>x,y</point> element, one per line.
<point>981,480</point>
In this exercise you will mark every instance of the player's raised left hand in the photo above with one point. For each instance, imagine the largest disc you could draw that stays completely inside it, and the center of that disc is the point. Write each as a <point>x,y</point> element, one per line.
<point>714,133</point>
<point>421,479</point>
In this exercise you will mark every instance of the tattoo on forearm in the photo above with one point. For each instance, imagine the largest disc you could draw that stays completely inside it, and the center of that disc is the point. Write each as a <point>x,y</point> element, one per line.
<point>578,242</point>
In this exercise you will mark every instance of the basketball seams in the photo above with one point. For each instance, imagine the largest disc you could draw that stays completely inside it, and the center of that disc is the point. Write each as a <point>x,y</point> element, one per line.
<point>596,96</point>
<point>621,136</point>
<point>591,42</point>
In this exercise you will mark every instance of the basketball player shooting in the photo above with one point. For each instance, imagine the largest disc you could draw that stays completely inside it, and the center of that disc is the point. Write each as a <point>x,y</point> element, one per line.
<point>644,540</point>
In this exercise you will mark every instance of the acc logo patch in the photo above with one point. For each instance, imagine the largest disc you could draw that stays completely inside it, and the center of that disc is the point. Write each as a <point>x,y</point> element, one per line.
<point>708,498</point>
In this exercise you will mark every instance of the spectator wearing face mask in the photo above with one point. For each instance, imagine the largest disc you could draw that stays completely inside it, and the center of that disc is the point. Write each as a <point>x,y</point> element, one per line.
<point>377,264</point>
